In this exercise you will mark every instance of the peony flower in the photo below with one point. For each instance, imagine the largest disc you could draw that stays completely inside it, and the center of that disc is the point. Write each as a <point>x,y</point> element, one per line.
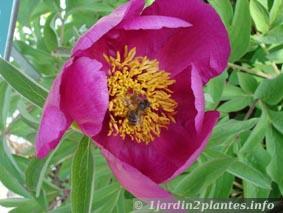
<point>134,84</point>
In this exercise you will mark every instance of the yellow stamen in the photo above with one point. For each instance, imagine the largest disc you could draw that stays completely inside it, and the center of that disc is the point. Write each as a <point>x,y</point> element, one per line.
<point>141,102</point>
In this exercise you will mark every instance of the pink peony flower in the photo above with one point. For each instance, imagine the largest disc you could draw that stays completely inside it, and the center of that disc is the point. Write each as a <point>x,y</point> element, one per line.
<point>134,84</point>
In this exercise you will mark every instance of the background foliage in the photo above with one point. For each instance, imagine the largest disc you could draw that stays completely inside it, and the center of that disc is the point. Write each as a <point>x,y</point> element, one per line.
<point>245,153</point>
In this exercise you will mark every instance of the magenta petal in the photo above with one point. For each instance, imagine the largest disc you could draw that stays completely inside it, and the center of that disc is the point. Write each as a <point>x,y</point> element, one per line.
<point>54,121</point>
<point>188,92</point>
<point>170,151</point>
<point>134,181</point>
<point>153,23</point>
<point>210,120</point>
<point>104,25</point>
<point>148,159</point>
<point>205,44</point>
<point>85,94</point>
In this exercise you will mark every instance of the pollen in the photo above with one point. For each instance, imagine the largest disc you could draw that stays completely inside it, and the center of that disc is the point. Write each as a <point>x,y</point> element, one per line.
<point>140,98</point>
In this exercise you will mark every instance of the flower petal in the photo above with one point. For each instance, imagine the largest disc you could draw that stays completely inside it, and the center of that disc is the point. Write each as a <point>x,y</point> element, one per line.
<point>205,44</point>
<point>85,94</point>
<point>210,120</point>
<point>148,159</point>
<point>54,121</point>
<point>153,23</point>
<point>188,92</point>
<point>104,25</point>
<point>160,159</point>
<point>134,181</point>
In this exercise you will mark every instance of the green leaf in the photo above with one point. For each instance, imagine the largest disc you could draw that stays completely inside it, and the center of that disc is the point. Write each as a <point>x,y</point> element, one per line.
<point>25,11</point>
<point>231,127</point>
<point>271,90</point>
<point>215,87</point>
<point>235,104</point>
<point>23,84</point>
<point>13,202</point>
<point>256,136</point>
<point>38,55</point>
<point>250,174</point>
<point>276,55</point>
<point>36,171</point>
<point>27,116</point>
<point>247,82</point>
<point>83,5</point>
<point>5,95</point>
<point>223,186</point>
<point>45,6</point>
<point>11,182</point>
<point>276,119</point>
<point>9,163</point>
<point>49,35</point>
<point>274,146</point>
<point>275,10</point>
<point>102,195</point>
<point>33,173</point>
<point>24,64</point>
<point>274,36</point>
<point>102,8</point>
<point>121,206</point>
<point>202,176</point>
<point>252,191</point>
<point>240,30</point>
<point>243,171</point>
<point>29,206</point>
<point>82,177</point>
<point>231,91</point>
<point>110,204</point>
<point>224,9</point>
<point>260,16</point>
<point>42,61</point>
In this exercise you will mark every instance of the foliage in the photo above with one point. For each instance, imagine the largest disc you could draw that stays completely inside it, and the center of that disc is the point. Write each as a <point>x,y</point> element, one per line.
<point>242,159</point>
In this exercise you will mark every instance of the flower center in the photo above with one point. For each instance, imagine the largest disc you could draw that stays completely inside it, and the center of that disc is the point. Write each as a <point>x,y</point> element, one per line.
<point>140,102</point>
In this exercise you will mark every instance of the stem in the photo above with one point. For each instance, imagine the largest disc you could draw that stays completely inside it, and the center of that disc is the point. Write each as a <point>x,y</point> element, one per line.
<point>61,16</point>
<point>247,116</point>
<point>275,68</point>
<point>250,111</point>
<point>248,70</point>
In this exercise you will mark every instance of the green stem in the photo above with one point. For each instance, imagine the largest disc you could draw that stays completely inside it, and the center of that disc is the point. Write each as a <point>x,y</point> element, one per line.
<point>248,70</point>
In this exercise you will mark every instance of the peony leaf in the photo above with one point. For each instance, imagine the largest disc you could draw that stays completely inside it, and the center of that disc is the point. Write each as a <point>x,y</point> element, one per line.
<point>202,176</point>
<point>23,84</point>
<point>82,177</point>
<point>50,36</point>
<point>224,9</point>
<point>271,90</point>
<point>250,174</point>
<point>12,183</point>
<point>260,16</point>
<point>256,136</point>
<point>274,36</point>
<point>275,10</point>
<point>276,119</point>
<point>274,146</point>
<point>247,82</point>
<point>5,95</point>
<point>240,30</point>
<point>235,104</point>
<point>231,127</point>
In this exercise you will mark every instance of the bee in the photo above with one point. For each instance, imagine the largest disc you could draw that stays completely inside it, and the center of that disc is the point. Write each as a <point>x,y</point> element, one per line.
<point>134,115</point>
